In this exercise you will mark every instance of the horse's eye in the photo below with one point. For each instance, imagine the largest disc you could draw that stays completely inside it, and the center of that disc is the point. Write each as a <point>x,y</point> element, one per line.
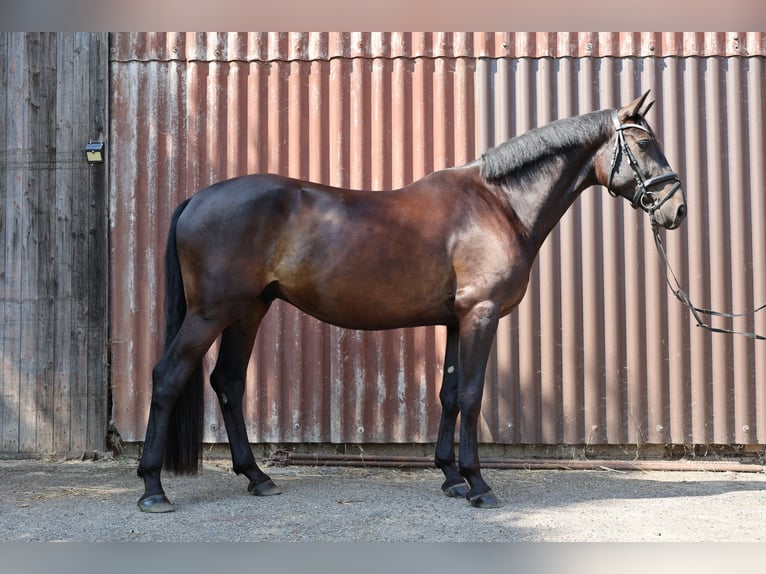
<point>643,145</point>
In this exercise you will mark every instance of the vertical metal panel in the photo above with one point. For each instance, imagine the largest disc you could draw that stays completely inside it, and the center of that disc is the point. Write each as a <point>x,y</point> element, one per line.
<point>696,272</point>
<point>757,180</point>
<point>721,354</point>
<point>598,353</point>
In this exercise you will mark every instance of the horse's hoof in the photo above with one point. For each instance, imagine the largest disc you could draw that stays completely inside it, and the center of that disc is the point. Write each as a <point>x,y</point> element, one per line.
<point>484,500</point>
<point>155,503</point>
<point>265,488</point>
<point>457,490</point>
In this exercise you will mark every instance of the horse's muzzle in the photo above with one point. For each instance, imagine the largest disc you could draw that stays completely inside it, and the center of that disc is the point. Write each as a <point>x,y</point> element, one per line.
<point>671,211</point>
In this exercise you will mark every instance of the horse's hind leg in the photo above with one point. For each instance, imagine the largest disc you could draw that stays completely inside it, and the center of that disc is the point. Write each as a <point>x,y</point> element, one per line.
<point>228,381</point>
<point>169,377</point>
<point>454,484</point>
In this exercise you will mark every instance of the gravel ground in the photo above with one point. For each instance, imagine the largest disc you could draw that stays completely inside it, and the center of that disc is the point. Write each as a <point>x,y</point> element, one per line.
<point>96,502</point>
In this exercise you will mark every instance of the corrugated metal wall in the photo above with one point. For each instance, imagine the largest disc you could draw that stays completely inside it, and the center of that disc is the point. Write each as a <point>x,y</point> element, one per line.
<point>598,352</point>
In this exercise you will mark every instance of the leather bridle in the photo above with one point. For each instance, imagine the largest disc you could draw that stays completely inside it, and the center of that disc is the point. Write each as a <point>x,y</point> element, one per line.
<point>643,198</point>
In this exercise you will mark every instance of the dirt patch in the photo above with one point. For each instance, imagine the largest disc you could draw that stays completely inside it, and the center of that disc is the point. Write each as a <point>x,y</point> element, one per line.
<point>96,501</point>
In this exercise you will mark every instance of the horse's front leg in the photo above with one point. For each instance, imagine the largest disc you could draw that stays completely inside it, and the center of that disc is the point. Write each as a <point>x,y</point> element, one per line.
<point>477,331</point>
<point>454,483</point>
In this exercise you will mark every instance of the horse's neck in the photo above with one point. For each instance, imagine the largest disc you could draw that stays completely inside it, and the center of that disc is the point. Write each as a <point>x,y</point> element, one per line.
<point>541,203</point>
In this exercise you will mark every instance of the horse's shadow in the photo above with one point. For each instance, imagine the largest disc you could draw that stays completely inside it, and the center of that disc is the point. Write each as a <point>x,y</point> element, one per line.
<point>574,487</point>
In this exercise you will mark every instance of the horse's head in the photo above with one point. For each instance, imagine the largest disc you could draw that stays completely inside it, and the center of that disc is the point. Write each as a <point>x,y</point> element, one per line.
<point>633,165</point>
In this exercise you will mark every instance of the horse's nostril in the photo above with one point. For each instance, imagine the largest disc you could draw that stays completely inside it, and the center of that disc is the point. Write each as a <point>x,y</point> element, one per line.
<point>681,212</point>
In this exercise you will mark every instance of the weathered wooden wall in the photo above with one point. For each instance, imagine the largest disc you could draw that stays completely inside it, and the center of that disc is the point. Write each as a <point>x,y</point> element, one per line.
<point>53,243</point>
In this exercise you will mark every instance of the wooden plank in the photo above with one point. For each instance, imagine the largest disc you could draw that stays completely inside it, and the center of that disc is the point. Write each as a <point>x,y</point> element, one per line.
<point>63,249</point>
<point>98,241</point>
<point>6,333</point>
<point>78,383</point>
<point>4,159</point>
<point>14,198</point>
<point>88,389</point>
<point>43,96</point>
<point>3,170</point>
<point>29,231</point>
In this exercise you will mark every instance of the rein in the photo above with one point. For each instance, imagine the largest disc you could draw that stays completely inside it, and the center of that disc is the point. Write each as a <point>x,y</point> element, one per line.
<point>683,296</point>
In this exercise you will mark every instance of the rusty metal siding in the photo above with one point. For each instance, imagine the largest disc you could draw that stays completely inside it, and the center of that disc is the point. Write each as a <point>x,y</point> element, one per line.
<point>598,353</point>
<point>331,121</point>
<point>328,46</point>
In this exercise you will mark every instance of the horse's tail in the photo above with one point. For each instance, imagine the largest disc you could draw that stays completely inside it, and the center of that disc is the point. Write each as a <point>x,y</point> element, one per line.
<point>183,451</point>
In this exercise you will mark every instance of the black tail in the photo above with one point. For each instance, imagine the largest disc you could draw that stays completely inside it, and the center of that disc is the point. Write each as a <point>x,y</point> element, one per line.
<point>183,451</point>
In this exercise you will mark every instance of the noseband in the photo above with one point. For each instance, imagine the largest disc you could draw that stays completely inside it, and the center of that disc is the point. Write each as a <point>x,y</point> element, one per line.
<point>642,198</point>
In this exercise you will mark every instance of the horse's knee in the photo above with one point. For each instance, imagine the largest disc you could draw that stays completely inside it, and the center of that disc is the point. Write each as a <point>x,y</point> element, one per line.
<point>469,401</point>
<point>448,399</point>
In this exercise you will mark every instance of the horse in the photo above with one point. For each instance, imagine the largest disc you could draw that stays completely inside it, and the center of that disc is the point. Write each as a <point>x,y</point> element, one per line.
<point>454,248</point>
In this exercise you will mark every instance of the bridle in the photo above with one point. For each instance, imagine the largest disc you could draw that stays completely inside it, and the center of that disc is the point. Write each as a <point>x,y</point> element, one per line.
<point>648,201</point>
<point>642,197</point>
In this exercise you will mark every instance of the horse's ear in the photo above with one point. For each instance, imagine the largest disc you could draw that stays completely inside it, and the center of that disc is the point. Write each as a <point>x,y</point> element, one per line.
<point>647,107</point>
<point>633,108</point>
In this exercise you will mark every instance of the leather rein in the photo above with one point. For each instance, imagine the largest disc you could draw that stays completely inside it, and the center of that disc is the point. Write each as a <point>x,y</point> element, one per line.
<point>683,296</point>
<point>646,200</point>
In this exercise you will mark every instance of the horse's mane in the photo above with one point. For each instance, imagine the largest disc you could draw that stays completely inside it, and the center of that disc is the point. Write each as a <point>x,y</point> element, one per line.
<point>519,155</point>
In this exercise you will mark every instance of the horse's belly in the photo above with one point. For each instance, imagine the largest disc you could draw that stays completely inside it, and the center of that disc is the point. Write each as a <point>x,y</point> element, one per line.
<point>371,305</point>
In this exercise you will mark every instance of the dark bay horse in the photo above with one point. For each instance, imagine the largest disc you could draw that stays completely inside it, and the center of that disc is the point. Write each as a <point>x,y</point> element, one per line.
<point>454,248</point>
